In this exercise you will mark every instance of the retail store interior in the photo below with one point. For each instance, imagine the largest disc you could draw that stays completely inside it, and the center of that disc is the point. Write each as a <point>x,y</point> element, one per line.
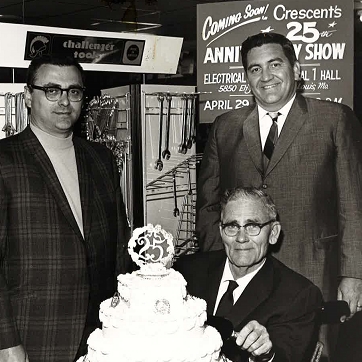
<point>160,17</point>
<point>150,121</point>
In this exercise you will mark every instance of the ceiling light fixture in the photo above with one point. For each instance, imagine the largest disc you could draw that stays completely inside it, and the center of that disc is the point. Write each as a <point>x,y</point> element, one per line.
<point>110,2</point>
<point>144,26</point>
<point>14,18</point>
<point>5,17</point>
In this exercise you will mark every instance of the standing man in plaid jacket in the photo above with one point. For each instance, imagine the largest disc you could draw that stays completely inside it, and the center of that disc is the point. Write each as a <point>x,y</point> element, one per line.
<point>63,228</point>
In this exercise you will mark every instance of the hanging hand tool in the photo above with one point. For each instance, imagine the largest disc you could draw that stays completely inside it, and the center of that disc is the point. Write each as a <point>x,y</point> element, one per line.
<point>194,125</point>
<point>176,211</point>
<point>189,206</point>
<point>191,121</point>
<point>8,128</point>
<point>166,153</point>
<point>183,146</point>
<point>159,163</point>
<point>189,183</point>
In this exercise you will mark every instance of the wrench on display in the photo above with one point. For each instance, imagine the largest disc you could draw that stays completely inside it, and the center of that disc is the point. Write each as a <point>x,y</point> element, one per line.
<point>159,163</point>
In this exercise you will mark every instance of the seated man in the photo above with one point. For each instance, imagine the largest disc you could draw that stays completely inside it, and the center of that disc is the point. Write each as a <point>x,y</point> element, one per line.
<point>273,309</point>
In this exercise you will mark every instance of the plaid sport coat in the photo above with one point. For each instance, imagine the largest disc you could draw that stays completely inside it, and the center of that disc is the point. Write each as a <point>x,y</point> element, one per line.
<point>50,275</point>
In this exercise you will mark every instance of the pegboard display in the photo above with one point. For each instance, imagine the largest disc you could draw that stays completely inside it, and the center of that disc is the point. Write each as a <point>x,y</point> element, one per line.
<point>166,127</point>
<point>170,162</point>
<point>13,112</point>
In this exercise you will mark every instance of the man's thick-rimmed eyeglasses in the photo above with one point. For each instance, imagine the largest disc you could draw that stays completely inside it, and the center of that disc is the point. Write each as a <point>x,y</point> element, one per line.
<point>251,228</point>
<point>53,94</point>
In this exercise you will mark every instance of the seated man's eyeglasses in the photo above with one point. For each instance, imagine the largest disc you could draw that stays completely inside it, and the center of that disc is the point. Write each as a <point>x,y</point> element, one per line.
<point>251,228</point>
<point>53,94</point>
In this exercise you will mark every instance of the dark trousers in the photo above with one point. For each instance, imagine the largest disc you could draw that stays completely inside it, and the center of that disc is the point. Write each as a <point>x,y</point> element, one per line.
<point>349,345</point>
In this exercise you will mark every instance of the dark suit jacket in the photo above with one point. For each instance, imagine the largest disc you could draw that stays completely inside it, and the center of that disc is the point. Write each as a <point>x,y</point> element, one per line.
<point>277,297</point>
<point>49,274</point>
<point>314,178</point>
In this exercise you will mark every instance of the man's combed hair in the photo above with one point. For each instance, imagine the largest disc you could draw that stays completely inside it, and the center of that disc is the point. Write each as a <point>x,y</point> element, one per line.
<point>62,61</point>
<point>249,193</point>
<point>260,39</point>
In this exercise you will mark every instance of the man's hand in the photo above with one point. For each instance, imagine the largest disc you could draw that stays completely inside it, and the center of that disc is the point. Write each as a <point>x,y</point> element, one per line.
<point>13,354</point>
<point>350,290</point>
<point>255,339</point>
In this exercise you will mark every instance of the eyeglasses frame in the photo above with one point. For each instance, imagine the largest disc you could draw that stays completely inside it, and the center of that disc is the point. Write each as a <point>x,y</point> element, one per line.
<point>44,89</point>
<point>223,226</point>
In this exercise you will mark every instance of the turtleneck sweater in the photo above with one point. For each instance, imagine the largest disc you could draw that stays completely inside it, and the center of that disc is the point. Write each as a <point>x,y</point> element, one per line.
<point>62,156</point>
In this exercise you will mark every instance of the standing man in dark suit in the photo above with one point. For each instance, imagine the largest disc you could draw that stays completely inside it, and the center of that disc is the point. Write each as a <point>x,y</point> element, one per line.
<point>63,224</point>
<point>311,167</point>
<point>273,308</point>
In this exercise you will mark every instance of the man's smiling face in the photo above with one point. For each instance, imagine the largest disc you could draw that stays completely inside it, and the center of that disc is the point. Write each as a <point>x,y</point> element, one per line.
<point>271,77</point>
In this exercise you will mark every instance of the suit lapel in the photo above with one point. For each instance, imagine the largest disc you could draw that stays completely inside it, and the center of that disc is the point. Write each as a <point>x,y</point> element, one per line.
<point>293,123</point>
<point>254,294</point>
<point>85,185</point>
<point>214,277</point>
<point>252,139</point>
<point>47,172</point>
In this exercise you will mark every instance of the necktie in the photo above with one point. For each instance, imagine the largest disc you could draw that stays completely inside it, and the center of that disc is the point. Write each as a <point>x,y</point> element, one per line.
<point>272,136</point>
<point>227,300</point>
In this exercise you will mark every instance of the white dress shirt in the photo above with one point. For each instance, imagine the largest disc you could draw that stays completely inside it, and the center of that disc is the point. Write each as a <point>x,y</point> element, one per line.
<point>242,283</point>
<point>265,120</point>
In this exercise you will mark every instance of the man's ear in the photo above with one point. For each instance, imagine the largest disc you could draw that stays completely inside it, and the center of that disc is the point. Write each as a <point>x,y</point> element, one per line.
<point>27,96</point>
<point>275,232</point>
<point>296,69</point>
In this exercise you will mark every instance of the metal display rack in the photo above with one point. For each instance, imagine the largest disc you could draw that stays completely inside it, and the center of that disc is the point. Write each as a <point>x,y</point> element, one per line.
<point>13,113</point>
<point>175,184</point>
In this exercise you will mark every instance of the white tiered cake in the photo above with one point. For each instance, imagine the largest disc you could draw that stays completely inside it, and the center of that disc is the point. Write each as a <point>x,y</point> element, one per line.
<point>152,318</point>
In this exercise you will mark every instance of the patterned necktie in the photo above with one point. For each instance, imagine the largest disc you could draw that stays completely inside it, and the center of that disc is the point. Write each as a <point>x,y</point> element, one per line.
<point>227,300</point>
<point>272,136</point>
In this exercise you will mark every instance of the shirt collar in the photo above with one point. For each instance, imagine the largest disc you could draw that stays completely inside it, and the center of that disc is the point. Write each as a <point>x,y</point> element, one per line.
<point>227,275</point>
<point>283,111</point>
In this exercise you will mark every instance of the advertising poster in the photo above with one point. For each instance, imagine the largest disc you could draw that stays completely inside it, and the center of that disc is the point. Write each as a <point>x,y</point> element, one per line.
<point>321,32</point>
